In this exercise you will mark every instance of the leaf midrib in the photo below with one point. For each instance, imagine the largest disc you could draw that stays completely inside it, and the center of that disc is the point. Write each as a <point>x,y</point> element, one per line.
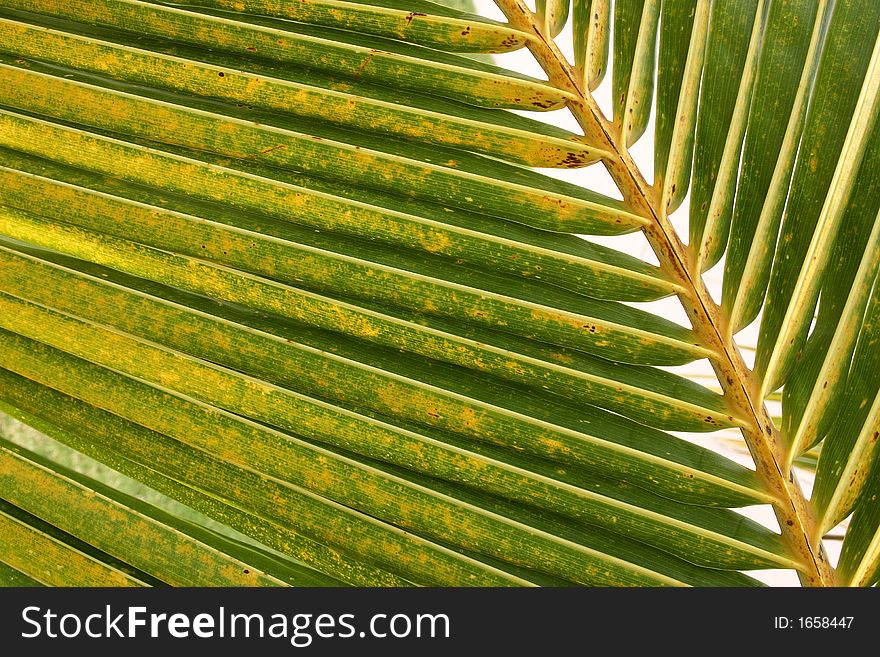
<point>792,509</point>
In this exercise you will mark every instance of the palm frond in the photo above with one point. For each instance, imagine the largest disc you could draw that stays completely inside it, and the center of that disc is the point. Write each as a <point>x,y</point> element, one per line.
<point>297,267</point>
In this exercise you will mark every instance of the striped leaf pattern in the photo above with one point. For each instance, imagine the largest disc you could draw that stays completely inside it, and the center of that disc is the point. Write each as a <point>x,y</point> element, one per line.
<point>300,270</point>
<point>784,175</point>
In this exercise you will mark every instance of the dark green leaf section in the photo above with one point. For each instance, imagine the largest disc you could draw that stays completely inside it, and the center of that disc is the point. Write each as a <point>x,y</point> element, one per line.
<point>424,23</point>
<point>852,33</point>
<point>662,399</point>
<point>674,110</point>
<point>146,543</point>
<point>48,566</point>
<point>376,60</point>
<point>284,458</point>
<point>285,211</point>
<point>325,423</point>
<point>387,382</point>
<point>712,193</point>
<point>635,52</point>
<point>117,441</point>
<point>854,240</point>
<point>768,155</point>
<point>262,294</point>
<point>10,576</point>
<point>284,410</point>
<point>860,556</point>
<point>570,210</point>
<point>532,143</point>
<point>79,467</point>
<point>53,563</point>
<point>580,506</point>
<point>287,504</point>
<point>811,398</point>
<point>845,469</point>
<point>125,447</point>
<point>577,321</point>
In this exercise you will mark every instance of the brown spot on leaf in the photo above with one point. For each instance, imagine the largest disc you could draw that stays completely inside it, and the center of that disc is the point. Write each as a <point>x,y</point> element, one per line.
<point>365,63</point>
<point>409,17</point>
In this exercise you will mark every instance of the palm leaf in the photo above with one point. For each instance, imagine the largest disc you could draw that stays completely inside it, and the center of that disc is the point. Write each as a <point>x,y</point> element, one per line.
<point>590,25</point>
<point>299,269</point>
